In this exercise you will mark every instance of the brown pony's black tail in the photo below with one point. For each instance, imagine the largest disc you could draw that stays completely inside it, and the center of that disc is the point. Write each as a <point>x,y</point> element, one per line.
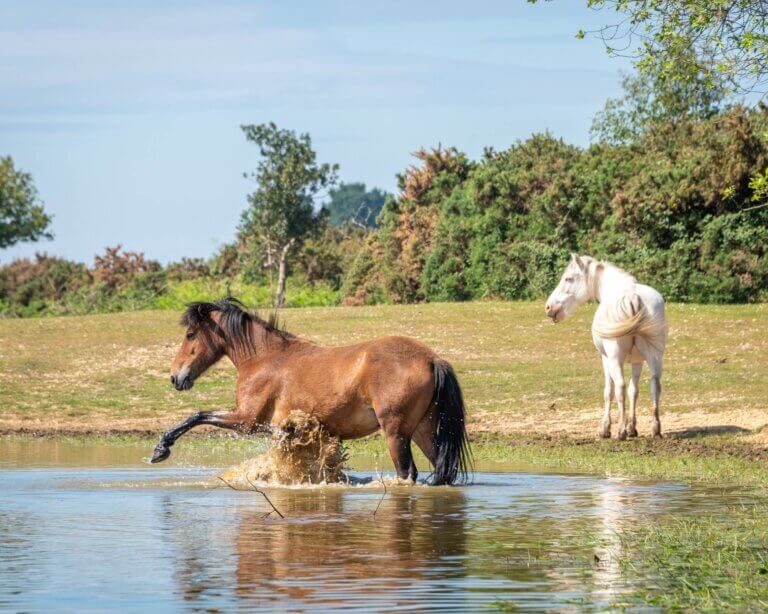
<point>453,458</point>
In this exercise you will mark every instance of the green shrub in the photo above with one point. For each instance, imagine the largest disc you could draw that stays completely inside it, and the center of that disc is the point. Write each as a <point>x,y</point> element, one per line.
<point>668,208</point>
<point>298,294</point>
<point>27,287</point>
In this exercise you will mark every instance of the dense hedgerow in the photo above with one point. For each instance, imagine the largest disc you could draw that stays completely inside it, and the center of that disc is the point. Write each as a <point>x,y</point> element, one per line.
<point>669,207</point>
<point>125,281</point>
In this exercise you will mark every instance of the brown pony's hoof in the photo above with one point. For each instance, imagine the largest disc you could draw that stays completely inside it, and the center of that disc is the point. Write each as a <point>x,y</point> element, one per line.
<point>160,454</point>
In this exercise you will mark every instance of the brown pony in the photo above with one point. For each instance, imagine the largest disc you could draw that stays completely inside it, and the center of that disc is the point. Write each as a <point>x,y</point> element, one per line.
<point>394,383</point>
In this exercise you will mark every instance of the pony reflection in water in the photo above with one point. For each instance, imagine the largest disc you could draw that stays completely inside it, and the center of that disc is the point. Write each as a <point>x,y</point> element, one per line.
<point>395,384</point>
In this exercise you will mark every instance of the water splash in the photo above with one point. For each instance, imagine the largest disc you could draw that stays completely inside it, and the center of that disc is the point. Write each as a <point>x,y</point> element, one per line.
<point>301,452</point>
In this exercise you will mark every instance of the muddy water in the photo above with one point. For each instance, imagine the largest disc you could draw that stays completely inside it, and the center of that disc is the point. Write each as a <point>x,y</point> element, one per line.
<point>92,527</point>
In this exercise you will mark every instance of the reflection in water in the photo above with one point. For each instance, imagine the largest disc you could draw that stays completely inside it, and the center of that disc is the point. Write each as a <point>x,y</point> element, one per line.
<point>520,538</point>
<point>616,509</point>
<point>331,549</point>
<point>134,537</point>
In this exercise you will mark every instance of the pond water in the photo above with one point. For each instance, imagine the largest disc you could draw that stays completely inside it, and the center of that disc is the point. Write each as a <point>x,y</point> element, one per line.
<point>87,527</point>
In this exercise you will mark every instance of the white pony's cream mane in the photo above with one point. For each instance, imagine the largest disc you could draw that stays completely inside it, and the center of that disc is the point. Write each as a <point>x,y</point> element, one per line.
<point>624,313</point>
<point>602,270</point>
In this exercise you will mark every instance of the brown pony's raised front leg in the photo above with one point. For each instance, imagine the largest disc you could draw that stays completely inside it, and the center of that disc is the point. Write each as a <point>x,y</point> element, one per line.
<point>226,420</point>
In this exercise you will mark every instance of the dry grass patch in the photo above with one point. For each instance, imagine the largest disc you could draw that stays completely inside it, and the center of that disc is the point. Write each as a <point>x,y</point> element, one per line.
<point>519,372</point>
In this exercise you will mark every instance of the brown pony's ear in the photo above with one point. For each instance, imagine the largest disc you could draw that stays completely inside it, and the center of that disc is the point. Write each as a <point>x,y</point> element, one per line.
<point>214,317</point>
<point>203,313</point>
<point>196,314</point>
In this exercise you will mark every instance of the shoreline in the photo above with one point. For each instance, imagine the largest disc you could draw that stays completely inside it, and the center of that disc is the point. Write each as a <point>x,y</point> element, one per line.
<point>737,443</point>
<point>717,460</point>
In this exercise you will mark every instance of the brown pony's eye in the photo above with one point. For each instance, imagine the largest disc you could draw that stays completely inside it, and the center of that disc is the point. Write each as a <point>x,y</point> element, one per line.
<point>190,336</point>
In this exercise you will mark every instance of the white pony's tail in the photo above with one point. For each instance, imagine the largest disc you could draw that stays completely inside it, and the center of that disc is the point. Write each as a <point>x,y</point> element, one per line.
<point>628,317</point>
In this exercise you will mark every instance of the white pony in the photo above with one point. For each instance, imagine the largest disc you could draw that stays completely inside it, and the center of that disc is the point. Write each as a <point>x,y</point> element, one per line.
<point>630,325</point>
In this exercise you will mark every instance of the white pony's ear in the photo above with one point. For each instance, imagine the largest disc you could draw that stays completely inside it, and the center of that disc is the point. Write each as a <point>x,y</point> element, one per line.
<point>577,259</point>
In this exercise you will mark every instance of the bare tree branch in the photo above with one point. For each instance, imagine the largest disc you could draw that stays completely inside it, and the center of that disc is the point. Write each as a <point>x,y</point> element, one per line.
<point>253,489</point>
<point>384,494</point>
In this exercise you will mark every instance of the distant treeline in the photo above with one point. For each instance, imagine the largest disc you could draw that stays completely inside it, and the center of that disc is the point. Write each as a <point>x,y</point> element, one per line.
<point>677,203</point>
<point>120,280</point>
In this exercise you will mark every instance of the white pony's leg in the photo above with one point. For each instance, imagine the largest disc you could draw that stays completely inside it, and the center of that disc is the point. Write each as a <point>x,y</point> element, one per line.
<point>616,369</point>
<point>605,427</point>
<point>653,356</point>
<point>655,368</point>
<point>633,391</point>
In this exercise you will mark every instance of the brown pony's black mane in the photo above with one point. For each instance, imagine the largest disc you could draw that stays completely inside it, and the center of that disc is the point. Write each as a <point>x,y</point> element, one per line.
<point>234,322</point>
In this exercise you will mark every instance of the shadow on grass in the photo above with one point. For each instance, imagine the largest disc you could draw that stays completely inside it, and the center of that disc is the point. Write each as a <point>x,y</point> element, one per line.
<point>705,431</point>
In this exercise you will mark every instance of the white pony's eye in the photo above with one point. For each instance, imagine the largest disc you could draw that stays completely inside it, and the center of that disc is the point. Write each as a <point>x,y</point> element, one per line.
<point>569,280</point>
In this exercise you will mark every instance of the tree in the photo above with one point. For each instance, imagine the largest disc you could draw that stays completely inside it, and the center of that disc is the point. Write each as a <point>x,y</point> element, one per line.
<point>351,202</point>
<point>281,214</point>
<point>117,269</point>
<point>22,217</point>
<point>649,96</point>
<point>685,40</point>
<point>390,263</point>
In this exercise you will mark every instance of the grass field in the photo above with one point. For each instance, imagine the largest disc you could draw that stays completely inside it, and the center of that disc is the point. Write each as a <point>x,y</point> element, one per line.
<point>520,373</point>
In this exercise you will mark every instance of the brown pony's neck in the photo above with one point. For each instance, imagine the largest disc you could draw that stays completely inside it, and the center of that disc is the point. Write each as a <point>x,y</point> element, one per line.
<point>260,340</point>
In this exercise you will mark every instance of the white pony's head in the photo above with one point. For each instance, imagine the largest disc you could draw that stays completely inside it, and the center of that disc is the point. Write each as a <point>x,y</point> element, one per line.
<point>572,291</point>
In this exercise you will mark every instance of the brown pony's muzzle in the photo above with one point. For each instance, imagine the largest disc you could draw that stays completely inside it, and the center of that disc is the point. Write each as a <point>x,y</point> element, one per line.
<point>183,381</point>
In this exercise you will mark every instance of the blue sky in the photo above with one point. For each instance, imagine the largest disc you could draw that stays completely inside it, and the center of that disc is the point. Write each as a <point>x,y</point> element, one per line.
<point>127,114</point>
